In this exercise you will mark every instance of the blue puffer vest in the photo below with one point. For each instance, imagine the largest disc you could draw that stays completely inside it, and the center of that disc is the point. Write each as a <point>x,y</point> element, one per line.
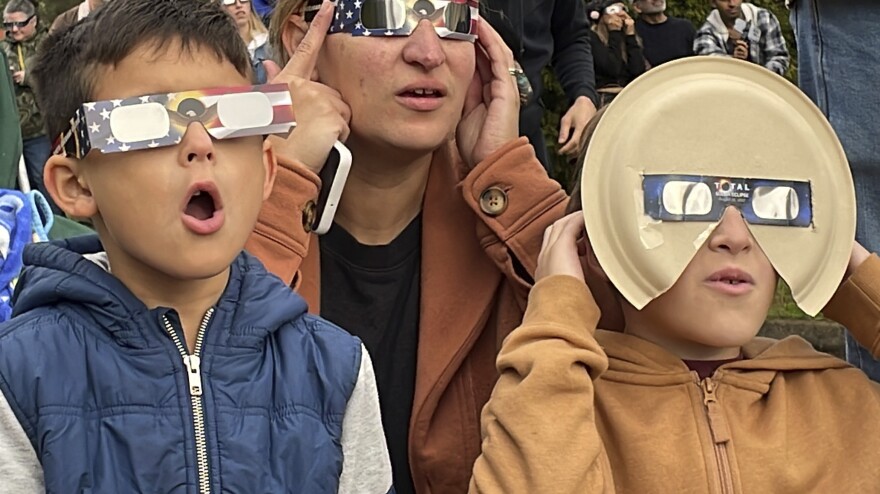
<point>102,392</point>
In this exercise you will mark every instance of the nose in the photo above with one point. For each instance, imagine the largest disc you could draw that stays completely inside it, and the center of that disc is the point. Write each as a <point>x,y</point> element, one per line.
<point>196,145</point>
<point>732,233</point>
<point>423,47</point>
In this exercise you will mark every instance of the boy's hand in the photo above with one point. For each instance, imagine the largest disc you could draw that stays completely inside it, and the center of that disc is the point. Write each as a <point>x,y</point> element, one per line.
<point>561,253</point>
<point>858,256</point>
<point>490,118</point>
<point>18,76</point>
<point>322,117</point>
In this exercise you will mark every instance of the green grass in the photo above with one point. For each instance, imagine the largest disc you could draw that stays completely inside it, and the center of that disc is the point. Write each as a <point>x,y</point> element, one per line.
<point>784,306</point>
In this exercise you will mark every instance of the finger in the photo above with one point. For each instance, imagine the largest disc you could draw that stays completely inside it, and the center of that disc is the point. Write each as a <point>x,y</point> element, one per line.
<point>305,57</point>
<point>573,144</point>
<point>272,69</point>
<point>569,148</point>
<point>547,232</point>
<point>499,54</point>
<point>564,128</point>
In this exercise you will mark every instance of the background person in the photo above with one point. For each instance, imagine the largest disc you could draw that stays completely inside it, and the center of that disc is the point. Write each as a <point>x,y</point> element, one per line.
<point>74,14</point>
<point>551,33</point>
<point>24,35</point>
<point>664,38</point>
<point>617,50</point>
<point>838,74</point>
<point>756,38</point>
<point>255,36</point>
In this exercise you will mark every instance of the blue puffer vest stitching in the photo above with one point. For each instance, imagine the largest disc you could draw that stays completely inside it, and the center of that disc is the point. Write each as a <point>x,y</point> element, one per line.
<point>102,393</point>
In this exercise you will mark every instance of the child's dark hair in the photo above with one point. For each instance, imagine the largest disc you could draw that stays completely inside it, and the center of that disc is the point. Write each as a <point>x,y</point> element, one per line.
<point>574,200</point>
<point>65,69</point>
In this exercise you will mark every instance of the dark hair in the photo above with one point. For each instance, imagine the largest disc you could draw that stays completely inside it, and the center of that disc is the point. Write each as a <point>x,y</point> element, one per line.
<point>65,68</point>
<point>574,200</point>
<point>26,7</point>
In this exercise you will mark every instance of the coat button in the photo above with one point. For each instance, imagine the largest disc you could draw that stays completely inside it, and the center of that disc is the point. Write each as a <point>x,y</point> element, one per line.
<point>493,201</point>
<point>308,217</point>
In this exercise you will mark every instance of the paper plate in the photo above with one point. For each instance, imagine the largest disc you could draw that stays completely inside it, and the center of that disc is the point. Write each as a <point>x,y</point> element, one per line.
<point>716,117</point>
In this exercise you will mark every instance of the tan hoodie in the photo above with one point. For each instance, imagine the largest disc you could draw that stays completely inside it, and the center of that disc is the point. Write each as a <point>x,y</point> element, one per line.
<point>564,417</point>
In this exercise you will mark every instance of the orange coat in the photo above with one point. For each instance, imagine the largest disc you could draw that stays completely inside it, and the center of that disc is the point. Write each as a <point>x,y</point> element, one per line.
<point>471,297</point>
<point>583,411</point>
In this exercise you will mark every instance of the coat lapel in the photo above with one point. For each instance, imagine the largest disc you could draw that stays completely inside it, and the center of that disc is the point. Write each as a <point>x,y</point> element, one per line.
<point>458,285</point>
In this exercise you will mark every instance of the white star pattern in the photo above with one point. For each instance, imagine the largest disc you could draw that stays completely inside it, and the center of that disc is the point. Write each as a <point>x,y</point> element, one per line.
<point>105,114</point>
<point>124,147</point>
<point>349,14</point>
<point>111,141</point>
<point>116,102</point>
<point>177,141</point>
<point>341,26</point>
<point>145,99</point>
<point>94,127</point>
<point>366,32</point>
<point>90,106</point>
<point>358,26</point>
<point>389,33</point>
<point>153,144</point>
<point>337,15</point>
<point>357,4</point>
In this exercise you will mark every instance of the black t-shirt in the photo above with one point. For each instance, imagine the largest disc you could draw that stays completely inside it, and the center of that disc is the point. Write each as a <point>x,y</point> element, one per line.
<point>666,41</point>
<point>373,292</point>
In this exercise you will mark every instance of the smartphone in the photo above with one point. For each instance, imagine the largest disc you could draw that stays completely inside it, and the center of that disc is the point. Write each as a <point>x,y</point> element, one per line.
<point>741,27</point>
<point>333,177</point>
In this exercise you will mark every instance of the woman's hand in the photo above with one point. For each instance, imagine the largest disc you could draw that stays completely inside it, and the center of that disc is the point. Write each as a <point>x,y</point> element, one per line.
<point>321,115</point>
<point>490,118</point>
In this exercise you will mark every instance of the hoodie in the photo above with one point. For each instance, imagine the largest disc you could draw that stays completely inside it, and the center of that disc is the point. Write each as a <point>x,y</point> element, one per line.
<point>580,410</point>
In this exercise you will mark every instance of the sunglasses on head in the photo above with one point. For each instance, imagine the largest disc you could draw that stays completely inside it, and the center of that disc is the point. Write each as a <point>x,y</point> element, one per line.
<point>230,3</point>
<point>18,24</point>
<point>160,120</point>
<point>698,198</point>
<point>453,19</point>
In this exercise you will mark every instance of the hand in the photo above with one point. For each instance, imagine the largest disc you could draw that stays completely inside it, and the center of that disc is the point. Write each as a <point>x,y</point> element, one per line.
<point>858,256</point>
<point>18,76</point>
<point>561,252</point>
<point>741,51</point>
<point>490,118</point>
<point>572,125</point>
<point>613,22</point>
<point>322,117</point>
<point>629,26</point>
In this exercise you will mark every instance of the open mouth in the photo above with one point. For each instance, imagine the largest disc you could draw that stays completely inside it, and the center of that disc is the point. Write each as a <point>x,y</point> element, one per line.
<point>201,205</point>
<point>422,93</point>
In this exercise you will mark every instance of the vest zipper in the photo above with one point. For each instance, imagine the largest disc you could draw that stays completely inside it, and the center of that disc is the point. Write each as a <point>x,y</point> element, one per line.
<point>192,362</point>
<point>720,434</point>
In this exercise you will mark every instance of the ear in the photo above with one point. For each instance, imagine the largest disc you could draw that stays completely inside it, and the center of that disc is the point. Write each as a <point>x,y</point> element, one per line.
<point>270,164</point>
<point>293,32</point>
<point>635,6</point>
<point>68,187</point>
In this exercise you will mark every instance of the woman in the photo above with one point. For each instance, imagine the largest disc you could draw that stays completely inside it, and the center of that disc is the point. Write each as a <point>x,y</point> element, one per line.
<point>255,35</point>
<point>430,256</point>
<point>617,51</point>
